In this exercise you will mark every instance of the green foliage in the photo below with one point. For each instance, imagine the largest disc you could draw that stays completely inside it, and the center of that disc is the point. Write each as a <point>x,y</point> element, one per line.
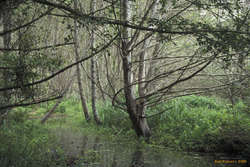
<point>69,104</point>
<point>114,118</point>
<point>201,124</point>
<point>91,156</point>
<point>67,2</point>
<point>19,72</point>
<point>41,111</point>
<point>19,115</point>
<point>192,123</point>
<point>24,67</point>
<point>240,107</point>
<point>27,144</point>
<point>200,101</point>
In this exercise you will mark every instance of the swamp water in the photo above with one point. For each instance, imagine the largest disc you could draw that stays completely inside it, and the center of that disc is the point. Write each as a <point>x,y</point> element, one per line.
<point>92,151</point>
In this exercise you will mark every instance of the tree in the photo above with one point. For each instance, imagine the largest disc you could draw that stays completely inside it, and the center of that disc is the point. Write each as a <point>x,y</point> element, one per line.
<point>79,80</point>
<point>93,71</point>
<point>134,109</point>
<point>7,21</point>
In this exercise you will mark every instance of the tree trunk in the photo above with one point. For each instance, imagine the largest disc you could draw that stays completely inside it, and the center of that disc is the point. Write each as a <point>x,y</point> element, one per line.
<point>51,111</point>
<point>149,71</point>
<point>134,110</point>
<point>6,15</point>
<point>83,101</point>
<point>240,70</point>
<point>99,83</point>
<point>58,101</point>
<point>93,72</point>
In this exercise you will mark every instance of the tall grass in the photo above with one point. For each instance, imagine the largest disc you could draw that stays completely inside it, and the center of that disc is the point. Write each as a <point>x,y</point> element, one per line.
<point>202,124</point>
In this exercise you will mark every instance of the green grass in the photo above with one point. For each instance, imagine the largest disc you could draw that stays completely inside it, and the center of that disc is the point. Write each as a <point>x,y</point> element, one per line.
<point>27,144</point>
<point>192,123</point>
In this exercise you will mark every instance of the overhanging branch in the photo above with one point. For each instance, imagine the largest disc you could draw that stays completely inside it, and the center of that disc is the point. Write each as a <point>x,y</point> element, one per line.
<point>27,24</point>
<point>30,103</point>
<point>61,70</point>
<point>104,20</point>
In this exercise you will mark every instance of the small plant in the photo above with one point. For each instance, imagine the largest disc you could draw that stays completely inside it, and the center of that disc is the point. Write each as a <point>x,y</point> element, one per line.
<point>25,143</point>
<point>19,114</point>
<point>200,124</point>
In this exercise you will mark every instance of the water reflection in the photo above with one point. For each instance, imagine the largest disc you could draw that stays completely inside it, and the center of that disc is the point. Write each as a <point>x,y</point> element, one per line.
<point>137,158</point>
<point>94,151</point>
<point>83,147</point>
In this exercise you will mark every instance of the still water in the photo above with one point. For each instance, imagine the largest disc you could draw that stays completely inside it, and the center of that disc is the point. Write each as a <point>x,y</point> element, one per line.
<point>92,151</point>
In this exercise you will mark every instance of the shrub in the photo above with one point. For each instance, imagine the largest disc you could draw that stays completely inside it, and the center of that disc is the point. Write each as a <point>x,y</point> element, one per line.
<point>26,143</point>
<point>201,124</point>
<point>20,115</point>
<point>113,117</point>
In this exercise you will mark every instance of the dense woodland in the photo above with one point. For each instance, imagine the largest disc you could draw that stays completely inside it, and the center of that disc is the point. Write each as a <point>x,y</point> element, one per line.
<point>173,73</point>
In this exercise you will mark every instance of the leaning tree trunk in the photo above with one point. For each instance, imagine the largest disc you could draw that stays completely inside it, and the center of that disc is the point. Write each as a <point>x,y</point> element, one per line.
<point>44,119</point>
<point>83,101</point>
<point>93,72</point>
<point>134,110</point>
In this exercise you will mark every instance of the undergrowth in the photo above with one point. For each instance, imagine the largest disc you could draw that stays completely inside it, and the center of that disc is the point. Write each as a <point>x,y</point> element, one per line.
<point>202,124</point>
<point>25,142</point>
<point>192,123</point>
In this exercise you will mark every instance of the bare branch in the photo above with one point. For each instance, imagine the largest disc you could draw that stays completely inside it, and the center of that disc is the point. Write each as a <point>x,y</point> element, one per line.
<point>104,20</point>
<point>27,24</point>
<point>61,70</point>
<point>30,103</point>
<point>36,49</point>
